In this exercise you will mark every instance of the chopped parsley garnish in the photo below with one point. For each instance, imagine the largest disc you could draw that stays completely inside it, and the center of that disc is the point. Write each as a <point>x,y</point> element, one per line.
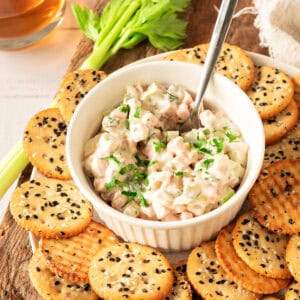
<point>142,162</point>
<point>139,176</point>
<point>162,144</point>
<point>129,193</point>
<point>180,173</point>
<point>218,143</point>
<point>142,198</point>
<point>112,157</point>
<point>124,108</point>
<point>131,187</point>
<point>208,162</point>
<point>200,144</point>
<point>137,113</point>
<point>206,132</point>
<point>113,183</point>
<point>231,137</point>
<point>173,97</point>
<point>153,162</point>
<point>127,168</point>
<point>137,194</point>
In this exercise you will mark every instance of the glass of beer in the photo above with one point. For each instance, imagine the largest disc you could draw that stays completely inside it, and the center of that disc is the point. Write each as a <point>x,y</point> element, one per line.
<point>24,22</point>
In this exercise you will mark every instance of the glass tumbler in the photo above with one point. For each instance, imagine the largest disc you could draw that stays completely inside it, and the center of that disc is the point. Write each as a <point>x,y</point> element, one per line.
<point>24,22</point>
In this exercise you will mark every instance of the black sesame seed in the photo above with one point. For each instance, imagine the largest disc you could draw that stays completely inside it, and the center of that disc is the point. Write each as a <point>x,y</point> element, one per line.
<point>246,237</point>
<point>60,217</point>
<point>58,168</point>
<point>245,221</point>
<point>273,192</point>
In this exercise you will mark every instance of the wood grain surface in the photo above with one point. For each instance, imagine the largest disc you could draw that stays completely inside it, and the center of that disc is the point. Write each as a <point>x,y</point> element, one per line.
<point>15,250</point>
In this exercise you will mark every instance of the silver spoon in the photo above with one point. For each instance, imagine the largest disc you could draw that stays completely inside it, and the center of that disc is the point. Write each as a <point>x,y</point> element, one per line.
<point>217,39</point>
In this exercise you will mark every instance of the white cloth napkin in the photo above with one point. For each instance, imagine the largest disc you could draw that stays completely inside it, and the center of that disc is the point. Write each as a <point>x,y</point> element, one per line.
<point>279,25</point>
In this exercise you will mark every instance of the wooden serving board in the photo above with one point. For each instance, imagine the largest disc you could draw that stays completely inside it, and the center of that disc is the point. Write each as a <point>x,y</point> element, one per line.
<point>15,250</point>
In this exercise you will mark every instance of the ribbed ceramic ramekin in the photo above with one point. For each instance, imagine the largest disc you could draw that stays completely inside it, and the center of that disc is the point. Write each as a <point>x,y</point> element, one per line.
<point>222,93</point>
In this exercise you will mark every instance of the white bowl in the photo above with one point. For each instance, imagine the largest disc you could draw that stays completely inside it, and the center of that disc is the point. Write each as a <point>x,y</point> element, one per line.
<point>222,93</point>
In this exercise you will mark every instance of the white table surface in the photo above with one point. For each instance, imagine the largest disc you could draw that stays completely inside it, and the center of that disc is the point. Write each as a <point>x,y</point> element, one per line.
<point>29,79</point>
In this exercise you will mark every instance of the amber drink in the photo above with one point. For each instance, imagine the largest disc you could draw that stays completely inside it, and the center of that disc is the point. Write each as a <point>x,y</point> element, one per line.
<point>23,22</point>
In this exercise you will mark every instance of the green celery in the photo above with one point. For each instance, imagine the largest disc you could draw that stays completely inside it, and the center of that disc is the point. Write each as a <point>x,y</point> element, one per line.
<point>11,166</point>
<point>124,24</point>
<point>98,56</point>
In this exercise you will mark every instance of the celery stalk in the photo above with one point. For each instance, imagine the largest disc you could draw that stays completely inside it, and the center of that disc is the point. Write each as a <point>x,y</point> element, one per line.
<point>99,54</point>
<point>11,166</point>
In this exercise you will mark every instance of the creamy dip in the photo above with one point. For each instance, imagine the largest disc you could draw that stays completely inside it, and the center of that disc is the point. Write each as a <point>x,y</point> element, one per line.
<point>142,166</point>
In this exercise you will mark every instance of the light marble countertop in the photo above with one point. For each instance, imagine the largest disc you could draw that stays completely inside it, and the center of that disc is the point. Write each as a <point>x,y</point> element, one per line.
<point>29,79</point>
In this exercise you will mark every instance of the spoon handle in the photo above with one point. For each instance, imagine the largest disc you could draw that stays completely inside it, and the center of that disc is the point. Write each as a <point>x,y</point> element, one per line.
<point>217,39</point>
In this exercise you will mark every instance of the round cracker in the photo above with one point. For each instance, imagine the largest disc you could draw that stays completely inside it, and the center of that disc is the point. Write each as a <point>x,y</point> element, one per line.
<point>181,289</point>
<point>44,143</point>
<point>293,291</point>
<point>70,257</point>
<point>271,91</point>
<point>289,145</point>
<point>73,88</point>
<point>209,279</point>
<point>293,256</point>
<point>263,251</point>
<point>130,271</point>
<point>233,62</point>
<point>239,271</point>
<point>275,197</point>
<point>51,286</point>
<point>50,208</point>
<point>278,126</point>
